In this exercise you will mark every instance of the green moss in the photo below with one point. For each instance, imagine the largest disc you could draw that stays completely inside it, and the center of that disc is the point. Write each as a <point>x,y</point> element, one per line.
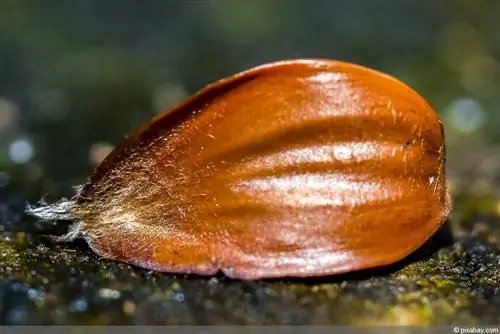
<point>9,256</point>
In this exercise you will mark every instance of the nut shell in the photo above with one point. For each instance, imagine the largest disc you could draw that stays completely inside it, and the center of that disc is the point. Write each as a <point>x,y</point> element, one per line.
<point>295,168</point>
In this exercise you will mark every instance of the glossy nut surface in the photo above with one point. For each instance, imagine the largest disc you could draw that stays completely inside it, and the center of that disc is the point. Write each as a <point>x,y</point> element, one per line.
<point>295,168</point>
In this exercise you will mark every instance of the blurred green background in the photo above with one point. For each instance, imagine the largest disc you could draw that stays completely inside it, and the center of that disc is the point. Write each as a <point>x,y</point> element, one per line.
<point>77,76</point>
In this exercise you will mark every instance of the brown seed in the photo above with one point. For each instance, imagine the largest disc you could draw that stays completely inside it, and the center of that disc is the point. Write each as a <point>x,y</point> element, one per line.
<point>295,168</point>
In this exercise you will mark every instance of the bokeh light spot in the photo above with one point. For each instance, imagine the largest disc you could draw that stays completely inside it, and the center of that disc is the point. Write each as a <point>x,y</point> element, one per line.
<point>99,151</point>
<point>21,151</point>
<point>465,115</point>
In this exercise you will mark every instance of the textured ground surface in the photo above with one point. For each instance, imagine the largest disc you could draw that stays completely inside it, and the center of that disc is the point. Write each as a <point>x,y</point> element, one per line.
<point>450,280</point>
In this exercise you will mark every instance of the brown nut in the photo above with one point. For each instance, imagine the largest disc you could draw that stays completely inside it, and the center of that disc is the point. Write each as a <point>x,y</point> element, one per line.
<point>295,168</point>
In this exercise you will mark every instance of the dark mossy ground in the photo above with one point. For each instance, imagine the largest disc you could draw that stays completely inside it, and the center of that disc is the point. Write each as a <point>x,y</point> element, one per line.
<point>454,278</point>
